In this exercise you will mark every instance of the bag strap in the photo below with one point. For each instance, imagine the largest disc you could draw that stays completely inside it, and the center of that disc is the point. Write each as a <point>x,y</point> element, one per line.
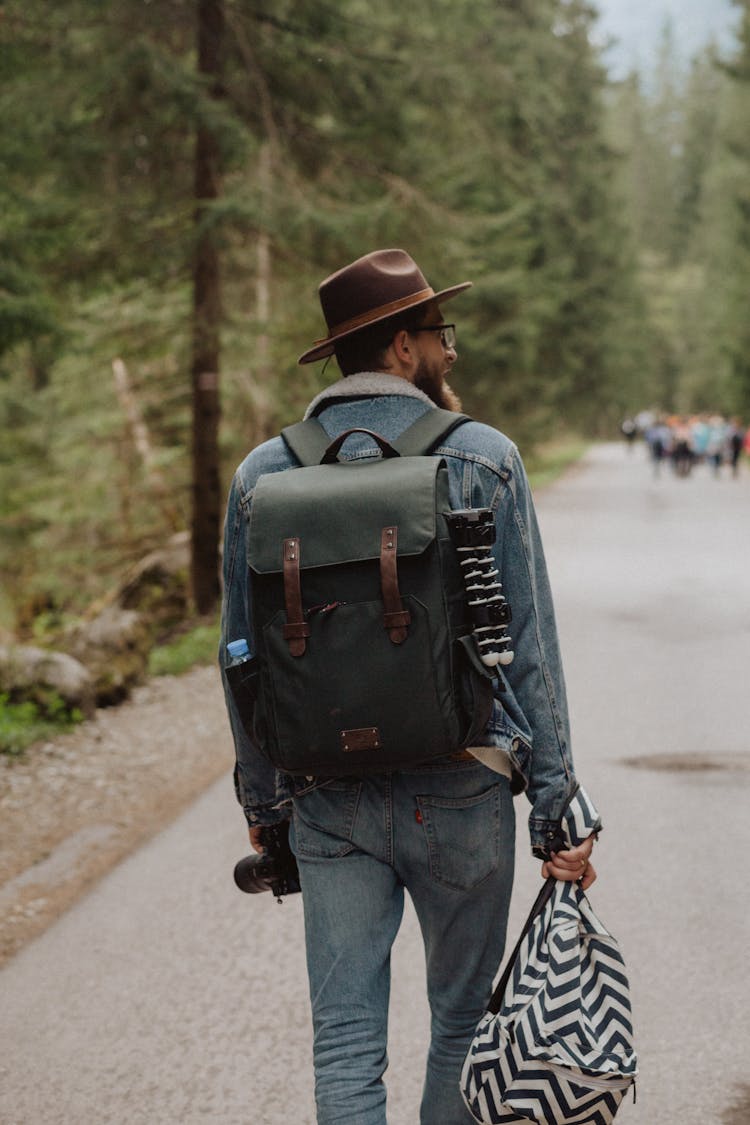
<point>332,453</point>
<point>542,899</point>
<point>296,629</point>
<point>424,434</point>
<point>395,617</point>
<point>308,441</point>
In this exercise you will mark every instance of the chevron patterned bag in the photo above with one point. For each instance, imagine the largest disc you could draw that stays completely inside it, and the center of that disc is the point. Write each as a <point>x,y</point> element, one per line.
<point>555,1046</point>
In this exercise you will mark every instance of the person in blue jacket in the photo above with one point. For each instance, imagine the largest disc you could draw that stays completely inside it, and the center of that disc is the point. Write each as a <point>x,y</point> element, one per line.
<point>443,832</point>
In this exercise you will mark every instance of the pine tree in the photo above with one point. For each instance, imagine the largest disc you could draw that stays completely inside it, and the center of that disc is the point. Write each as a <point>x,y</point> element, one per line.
<point>207,315</point>
<point>736,266</point>
<point>468,131</point>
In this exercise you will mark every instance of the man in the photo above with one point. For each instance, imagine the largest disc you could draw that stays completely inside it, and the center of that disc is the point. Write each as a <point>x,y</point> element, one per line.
<point>443,831</point>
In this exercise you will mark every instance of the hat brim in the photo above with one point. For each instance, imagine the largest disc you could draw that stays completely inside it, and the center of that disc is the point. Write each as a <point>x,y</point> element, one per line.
<point>323,348</point>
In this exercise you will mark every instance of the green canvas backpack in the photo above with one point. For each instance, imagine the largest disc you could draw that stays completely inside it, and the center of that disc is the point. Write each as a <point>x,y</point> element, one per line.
<point>364,655</point>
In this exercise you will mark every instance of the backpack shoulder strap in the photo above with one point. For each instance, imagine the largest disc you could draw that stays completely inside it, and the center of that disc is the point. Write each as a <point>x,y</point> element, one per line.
<point>424,434</point>
<point>307,440</point>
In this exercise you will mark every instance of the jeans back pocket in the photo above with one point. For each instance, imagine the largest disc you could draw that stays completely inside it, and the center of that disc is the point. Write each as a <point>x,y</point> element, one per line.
<point>464,835</point>
<point>324,819</point>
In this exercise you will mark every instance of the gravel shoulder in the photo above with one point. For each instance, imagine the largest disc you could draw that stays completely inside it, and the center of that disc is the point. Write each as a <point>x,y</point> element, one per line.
<point>71,808</point>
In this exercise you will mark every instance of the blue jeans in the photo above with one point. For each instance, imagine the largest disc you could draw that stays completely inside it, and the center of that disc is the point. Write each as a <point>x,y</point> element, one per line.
<point>445,832</point>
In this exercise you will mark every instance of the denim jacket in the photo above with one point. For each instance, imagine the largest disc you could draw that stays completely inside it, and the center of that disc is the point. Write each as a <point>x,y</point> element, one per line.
<point>530,718</point>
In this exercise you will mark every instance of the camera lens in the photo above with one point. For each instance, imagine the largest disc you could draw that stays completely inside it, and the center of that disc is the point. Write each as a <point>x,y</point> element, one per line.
<point>254,873</point>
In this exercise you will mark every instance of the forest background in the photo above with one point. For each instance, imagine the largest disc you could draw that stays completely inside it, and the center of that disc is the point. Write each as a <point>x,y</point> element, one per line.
<point>176,177</point>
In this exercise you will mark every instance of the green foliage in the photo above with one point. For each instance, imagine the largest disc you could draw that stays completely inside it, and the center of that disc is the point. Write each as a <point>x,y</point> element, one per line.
<point>685,174</point>
<point>22,724</point>
<point>482,136</point>
<point>547,461</point>
<point>76,502</point>
<point>199,646</point>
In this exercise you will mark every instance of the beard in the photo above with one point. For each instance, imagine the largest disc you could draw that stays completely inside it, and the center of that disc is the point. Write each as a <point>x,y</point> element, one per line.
<point>435,387</point>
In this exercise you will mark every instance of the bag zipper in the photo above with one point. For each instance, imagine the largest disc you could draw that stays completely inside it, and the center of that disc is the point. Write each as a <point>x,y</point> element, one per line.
<point>590,1080</point>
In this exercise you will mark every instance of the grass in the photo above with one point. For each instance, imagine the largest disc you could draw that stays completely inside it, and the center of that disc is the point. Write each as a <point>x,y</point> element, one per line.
<point>199,646</point>
<point>547,461</point>
<point>22,724</point>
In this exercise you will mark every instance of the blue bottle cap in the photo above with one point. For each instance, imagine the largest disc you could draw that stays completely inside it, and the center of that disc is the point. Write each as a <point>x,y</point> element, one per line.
<point>238,648</point>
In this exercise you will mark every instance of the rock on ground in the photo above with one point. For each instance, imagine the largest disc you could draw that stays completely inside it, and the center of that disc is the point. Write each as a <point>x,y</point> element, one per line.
<point>31,672</point>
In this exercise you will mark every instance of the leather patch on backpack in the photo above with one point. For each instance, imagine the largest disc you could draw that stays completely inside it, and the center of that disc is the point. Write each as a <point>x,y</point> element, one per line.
<point>365,738</point>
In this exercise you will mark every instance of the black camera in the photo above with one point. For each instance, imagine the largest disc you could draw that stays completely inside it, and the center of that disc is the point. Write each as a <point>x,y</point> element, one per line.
<point>274,870</point>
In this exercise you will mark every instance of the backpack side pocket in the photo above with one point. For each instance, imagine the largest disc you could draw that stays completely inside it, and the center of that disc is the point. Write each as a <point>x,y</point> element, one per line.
<point>475,687</point>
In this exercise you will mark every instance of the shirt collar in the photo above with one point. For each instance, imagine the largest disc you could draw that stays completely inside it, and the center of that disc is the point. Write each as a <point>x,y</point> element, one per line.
<point>367,384</point>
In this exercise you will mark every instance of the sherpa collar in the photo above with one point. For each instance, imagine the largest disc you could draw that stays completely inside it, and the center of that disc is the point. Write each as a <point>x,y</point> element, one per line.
<point>366,384</point>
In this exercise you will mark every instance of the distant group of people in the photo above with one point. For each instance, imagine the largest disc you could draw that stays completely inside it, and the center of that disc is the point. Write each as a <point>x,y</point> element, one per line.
<point>685,441</point>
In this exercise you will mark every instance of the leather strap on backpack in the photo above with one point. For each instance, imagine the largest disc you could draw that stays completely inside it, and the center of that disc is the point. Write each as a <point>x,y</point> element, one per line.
<point>296,628</point>
<point>395,618</point>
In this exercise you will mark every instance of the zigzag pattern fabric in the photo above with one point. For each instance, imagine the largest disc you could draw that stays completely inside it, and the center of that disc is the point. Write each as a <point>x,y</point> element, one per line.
<point>556,1043</point>
<point>580,818</point>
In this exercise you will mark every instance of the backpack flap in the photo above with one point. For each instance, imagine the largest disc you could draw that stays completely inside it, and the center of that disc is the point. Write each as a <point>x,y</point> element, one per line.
<point>338,512</point>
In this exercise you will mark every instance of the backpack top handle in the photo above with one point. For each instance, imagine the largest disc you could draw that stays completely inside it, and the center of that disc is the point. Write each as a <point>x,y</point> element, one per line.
<point>332,452</point>
<point>309,442</point>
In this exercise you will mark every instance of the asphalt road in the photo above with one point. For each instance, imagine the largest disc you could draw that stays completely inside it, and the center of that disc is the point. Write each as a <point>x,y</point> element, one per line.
<point>165,996</point>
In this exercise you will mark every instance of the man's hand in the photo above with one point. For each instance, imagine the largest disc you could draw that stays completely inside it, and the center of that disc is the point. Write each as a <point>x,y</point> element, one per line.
<point>573,865</point>
<point>255,843</point>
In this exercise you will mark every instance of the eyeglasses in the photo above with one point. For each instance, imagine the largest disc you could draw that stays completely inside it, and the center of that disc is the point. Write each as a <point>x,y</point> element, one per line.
<point>447,333</point>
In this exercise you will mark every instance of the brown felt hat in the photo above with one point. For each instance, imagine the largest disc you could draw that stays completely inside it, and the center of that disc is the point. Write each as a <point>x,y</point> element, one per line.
<point>373,288</point>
